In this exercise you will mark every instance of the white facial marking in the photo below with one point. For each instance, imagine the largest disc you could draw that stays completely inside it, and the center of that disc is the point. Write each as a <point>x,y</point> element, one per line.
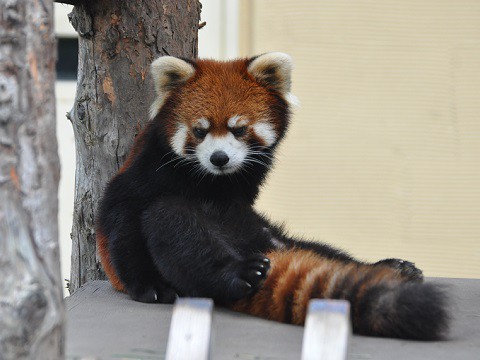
<point>265,131</point>
<point>236,121</point>
<point>203,123</point>
<point>179,139</point>
<point>242,122</point>
<point>232,122</point>
<point>235,150</point>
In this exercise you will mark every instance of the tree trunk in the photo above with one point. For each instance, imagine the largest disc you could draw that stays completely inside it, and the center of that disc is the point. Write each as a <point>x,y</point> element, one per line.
<point>118,41</point>
<point>31,305</point>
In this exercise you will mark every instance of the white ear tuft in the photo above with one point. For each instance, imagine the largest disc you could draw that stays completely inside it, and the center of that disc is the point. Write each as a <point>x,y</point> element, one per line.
<point>292,100</point>
<point>168,72</point>
<point>273,70</point>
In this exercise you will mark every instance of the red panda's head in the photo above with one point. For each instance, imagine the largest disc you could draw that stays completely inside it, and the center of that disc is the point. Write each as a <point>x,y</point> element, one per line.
<point>223,115</point>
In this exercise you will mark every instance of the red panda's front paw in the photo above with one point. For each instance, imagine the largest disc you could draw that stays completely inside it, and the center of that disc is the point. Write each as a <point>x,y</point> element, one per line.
<point>250,274</point>
<point>160,294</point>
<point>255,269</point>
<point>148,295</point>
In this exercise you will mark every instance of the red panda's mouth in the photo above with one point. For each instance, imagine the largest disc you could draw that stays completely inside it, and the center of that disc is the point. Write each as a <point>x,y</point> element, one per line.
<point>224,170</point>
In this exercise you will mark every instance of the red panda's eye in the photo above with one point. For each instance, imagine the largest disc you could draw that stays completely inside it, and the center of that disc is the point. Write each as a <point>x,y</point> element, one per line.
<point>240,131</point>
<point>200,133</point>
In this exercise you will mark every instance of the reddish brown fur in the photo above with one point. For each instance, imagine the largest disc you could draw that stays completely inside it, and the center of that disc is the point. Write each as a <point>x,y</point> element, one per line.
<point>213,82</point>
<point>298,275</point>
<point>218,91</point>
<point>102,246</point>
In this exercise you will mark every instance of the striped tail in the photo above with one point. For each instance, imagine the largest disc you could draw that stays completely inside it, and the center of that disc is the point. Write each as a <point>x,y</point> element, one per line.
<point>383,302</point>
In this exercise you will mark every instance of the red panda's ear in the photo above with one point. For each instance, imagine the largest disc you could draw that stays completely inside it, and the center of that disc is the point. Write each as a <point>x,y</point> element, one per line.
<point>273,70</point>
<point>168,72</point>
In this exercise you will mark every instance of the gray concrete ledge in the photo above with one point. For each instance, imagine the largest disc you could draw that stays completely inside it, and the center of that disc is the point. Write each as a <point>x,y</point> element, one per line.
<point>105,324</point>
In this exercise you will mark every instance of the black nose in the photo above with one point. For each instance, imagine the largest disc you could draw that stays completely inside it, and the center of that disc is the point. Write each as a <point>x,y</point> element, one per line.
<point>219,158</point>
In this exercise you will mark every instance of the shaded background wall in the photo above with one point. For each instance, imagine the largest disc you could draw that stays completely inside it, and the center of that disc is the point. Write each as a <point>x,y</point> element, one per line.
<point>383,155</point>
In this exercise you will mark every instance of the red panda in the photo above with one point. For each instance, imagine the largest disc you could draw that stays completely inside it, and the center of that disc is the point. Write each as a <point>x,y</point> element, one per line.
<point>178,218</point>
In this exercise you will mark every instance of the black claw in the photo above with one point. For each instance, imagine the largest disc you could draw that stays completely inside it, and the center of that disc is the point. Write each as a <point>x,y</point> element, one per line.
<point>146,295</point>
<point>250,274</point>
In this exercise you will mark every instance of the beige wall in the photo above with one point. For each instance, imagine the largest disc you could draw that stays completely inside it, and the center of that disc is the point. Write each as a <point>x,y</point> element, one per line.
<point>383,156</point>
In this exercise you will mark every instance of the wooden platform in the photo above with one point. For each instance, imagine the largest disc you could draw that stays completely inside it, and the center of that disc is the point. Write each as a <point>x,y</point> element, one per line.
<point>105,324</point>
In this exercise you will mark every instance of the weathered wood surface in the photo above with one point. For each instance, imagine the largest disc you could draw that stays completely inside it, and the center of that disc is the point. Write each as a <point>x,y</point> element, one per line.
<point>118,41</point>
<point>31,304</point>
<point>97,314</point>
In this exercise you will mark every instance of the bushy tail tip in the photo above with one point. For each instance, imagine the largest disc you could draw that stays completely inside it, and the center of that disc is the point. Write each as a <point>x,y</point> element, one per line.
<point>416,311</point>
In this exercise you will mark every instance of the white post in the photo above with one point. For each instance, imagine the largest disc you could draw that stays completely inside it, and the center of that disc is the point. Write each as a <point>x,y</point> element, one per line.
<point>190,329</point>
<point>327,327</point>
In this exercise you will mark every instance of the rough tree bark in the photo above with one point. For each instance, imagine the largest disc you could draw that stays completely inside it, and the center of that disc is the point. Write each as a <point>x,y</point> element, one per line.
<point>31,305</point>
<point>117,42</point>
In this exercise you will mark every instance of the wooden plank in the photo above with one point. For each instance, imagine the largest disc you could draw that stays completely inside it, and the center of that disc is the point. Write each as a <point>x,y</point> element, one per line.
<point>327,327</point>
<point>189,337</point>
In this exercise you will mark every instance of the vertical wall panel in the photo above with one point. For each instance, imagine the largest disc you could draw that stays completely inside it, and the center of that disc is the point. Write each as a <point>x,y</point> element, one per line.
<point>383,156</point>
